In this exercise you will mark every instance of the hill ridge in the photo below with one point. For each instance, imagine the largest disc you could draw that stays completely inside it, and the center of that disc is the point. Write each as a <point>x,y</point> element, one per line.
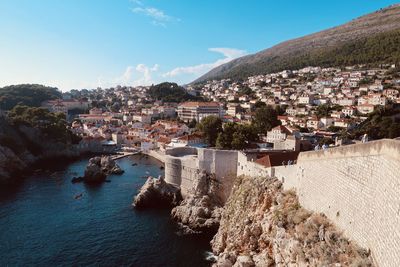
<point>381,24</point>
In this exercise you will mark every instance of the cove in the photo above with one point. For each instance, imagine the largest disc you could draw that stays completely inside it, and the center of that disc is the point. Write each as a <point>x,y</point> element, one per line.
<point>43,224</point>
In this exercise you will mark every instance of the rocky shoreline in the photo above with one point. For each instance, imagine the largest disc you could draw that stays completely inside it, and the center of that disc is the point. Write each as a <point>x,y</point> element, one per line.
<point>199,212</point>
<point>98,169</point>
<point>13,167</point>
<point>259,225</point>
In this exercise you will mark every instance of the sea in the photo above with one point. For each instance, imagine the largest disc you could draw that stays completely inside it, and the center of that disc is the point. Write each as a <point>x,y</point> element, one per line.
<point>46,220</point>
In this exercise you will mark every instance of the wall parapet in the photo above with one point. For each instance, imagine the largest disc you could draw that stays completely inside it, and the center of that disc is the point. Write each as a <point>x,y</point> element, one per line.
<point>358,188</point>
<point>388,147</point>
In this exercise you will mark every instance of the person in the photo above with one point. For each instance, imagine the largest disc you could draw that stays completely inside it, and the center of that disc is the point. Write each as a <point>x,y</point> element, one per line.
<point>364,139</point>
<point>317,147</point>
<point>324,146</point>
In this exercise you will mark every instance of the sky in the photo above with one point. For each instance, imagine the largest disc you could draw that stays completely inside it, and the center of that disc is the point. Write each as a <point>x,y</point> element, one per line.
<point>75,44</point>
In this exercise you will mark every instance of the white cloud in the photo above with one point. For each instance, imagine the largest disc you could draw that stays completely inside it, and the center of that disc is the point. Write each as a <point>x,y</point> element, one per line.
<point>146,74</point>
<point>200,69</point>
<point>141,75</point>
<point>137,2</point>
<point>159,17</point>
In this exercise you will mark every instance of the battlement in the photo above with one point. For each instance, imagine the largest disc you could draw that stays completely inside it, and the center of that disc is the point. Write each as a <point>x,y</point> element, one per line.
<point>358,188</point>
<point>388,147</point>
<point>355,186</point>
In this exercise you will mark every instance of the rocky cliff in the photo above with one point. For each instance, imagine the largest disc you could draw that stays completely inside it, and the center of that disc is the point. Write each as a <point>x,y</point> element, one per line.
<point>156,193</point>
<point>263,225</point>
<point>201,210</point>
<point>22,146</point>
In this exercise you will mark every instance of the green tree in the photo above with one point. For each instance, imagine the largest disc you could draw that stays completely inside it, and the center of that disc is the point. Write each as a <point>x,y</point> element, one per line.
<point>264,119</point>
<point>192,123</point>
<point>259,104</point>
<point>225,137</point>
<point>236,136</point>
<point>171,92</point>
<point>26,94</point>
<point>210,126</point>
<point>323,110</point>
<point>53,126</point>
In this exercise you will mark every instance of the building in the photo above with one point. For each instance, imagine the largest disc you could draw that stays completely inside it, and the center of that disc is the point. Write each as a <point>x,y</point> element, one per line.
<point>189,111</point>
<point>365,108</point>
<point>282,138</point>
<point>233,109</point>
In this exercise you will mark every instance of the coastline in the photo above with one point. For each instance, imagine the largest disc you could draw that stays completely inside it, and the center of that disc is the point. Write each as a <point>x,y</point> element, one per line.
<point>156,155</point>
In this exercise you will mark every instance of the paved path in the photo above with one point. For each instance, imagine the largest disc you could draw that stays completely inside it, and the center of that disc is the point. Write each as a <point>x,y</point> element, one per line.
<point>124,154</point>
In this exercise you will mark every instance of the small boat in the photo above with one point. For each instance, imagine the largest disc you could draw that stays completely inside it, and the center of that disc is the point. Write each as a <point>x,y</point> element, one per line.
<point>134,164</point>
<point>78,196</point>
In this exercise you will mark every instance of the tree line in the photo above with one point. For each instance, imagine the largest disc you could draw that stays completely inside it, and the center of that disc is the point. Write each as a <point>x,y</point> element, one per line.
<point>238,136</point>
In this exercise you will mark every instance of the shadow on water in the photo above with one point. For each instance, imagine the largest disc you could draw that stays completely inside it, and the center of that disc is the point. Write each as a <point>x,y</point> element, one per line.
<point>99,228</point>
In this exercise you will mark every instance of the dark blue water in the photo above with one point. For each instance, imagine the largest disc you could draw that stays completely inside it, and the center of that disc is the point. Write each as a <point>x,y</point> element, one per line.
<point>41,224</point>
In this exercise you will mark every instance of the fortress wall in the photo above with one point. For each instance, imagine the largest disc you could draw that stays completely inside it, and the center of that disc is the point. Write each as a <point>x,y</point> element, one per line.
<point>288,175</point>
<point>248,167</point>
<point>358,188</point>
<point>222,163</point>
<point>173,170</point>
<point>184,165</point>
<point>190,173</point>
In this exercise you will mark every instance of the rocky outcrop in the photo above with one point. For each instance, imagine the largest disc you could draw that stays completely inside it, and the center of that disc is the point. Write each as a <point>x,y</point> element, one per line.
<point>157,193</point>
<point>99,167</point>
<point>201,210</point>
<point>9,164</point>
<point>22,147</point>
<point>262,225</point>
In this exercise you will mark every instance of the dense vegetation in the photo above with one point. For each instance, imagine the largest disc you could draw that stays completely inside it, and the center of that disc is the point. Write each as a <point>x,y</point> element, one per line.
<point>43,126</point>
<point>170,92</point>
<point>382,123</point>
<point>238,136</point>
<point>26,94</point>
<point>210,126</point>
<point>379,48</point>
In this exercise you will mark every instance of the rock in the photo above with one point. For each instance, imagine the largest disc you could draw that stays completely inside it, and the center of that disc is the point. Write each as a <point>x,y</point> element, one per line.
<point>99,167</point>
<point>77,180</point>
<point>266,226</point>
<point>157,193</point>
<point>244,261</point>
<point>94,172</point>
<point>201,209</point>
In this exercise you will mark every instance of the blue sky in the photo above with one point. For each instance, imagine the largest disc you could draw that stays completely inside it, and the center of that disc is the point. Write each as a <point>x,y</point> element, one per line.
<point>87,43</point>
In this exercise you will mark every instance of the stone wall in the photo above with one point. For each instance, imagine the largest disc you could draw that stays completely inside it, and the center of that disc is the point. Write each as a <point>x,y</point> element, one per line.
<point>247,167</point>
<point>358,188</point>
<point>184,165</point>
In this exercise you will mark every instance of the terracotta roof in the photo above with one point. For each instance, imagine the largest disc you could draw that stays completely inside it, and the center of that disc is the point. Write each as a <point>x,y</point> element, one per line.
<point>200,104</point>
<point>164,140</point>
<point>282,129</point>
<point>276,158</point>
<point>194,136</point>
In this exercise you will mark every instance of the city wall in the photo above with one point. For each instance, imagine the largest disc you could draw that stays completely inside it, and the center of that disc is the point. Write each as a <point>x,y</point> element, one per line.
<point>358,188</point>
<point>355,186</point>
<point>184,165</point>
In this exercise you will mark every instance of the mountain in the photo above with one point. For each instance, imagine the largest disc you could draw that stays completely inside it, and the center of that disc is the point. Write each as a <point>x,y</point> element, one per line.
<point>372,38</point>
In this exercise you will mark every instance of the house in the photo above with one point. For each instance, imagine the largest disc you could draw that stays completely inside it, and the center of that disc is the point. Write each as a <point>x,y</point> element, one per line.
<point>189,111</point>
<point>283,138</point>
<point>326,122</point>
<point>349,111</point>
<point>365,108</point>
<point>194,140</point>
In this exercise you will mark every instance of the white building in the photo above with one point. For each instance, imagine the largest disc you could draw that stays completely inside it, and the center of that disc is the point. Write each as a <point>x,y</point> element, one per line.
<point>198,110</point>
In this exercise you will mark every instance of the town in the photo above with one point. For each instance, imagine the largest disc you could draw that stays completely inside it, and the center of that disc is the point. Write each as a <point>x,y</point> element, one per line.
<point>314,108</point>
